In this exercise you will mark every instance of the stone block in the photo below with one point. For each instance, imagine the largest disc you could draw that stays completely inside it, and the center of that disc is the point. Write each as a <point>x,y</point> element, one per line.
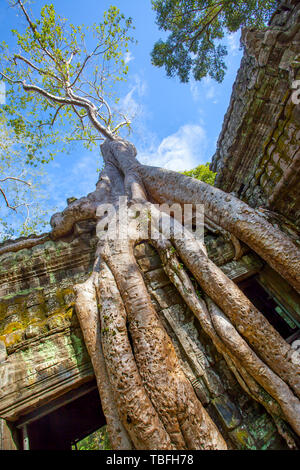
<point>263,56</point>
<point>226,376</point>
<point>52,305</point>
<point>143,250</point>
<point>157,278</point>
<point>34,330</point>
<point>287,58</point>
<point>49,367</point>
<point>161,298</point>
<point>69,298</point>
<point>270,37</point>
<point>213,382</point>
<point>166,297</point>
<point>12,310</point>
<point>149,263</point>
<point>35,312</point>
<point>262,430</point>
<point>8,436</point>
<point>201,391</point>
<point>33,299</point>
<point>11,339</point>
<point>11,321</point>
<point>57,321</point>
<point>227,411</point>
<point>3,352</point>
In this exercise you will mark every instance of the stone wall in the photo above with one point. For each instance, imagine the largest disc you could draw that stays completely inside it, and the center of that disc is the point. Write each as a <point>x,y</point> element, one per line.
<point>258,151</point>
<point>42,353</point>
<point>8,439</point>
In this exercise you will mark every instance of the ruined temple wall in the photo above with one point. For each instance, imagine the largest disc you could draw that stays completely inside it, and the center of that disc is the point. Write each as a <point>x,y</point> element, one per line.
<point>258,151</point>
<point>42,352</point>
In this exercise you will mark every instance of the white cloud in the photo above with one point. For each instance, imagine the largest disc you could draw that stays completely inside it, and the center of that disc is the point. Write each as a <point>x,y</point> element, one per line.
<point>180,151</point>
<point>128,57</point>
<point>209,89</point>
<point>206,88</point>
<point>233,41</point>
<point>194,89</point>
<point>129,104</point>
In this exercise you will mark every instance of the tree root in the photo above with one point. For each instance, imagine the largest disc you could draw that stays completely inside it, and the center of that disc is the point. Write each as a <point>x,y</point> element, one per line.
<point>186,421</point>
<point>139,373</point>
<point>87,312</point>
<point>249,322</point>
<point>239,251</point>
<point>135,409</point>
<point>24,244</point>
<point>232,345</point>
<point>228,212</point>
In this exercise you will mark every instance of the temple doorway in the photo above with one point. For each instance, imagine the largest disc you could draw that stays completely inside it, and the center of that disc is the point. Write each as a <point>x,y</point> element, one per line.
<point>64,421</point>
<point>279,316</point>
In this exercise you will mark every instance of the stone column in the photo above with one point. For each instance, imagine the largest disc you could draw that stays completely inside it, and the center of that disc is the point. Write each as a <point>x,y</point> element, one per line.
<point>8,439</point>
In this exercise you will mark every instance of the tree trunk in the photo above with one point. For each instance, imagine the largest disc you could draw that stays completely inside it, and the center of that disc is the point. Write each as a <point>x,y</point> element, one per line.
<point>147,398</point>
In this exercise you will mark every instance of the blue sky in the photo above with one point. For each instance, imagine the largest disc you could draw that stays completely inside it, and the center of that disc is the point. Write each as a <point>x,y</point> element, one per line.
<point>176,125</point>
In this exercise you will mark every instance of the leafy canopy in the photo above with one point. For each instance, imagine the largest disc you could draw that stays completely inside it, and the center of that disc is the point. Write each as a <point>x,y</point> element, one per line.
<point>60,84</point>
<point>196,29</point>
<point>60,78</point>
<point>22,207</point>
<point>202,173</point>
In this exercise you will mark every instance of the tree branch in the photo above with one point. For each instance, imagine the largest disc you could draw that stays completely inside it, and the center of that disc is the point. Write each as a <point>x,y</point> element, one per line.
<point>43,72</point>
<point>16,179</point>
<point>10,79</point>
<point>84,64</point>
<point>73,100</point>
<point>199,33</point>
<point>14,208</point>
<point>56,114</point>
<point>34,30</point>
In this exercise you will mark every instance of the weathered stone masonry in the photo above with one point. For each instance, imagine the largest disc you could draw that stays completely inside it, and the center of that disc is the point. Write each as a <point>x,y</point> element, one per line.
<point>42,352</point>
<point>258,149</point>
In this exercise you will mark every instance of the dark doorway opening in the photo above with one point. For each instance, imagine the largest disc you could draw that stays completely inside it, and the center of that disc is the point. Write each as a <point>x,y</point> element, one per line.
<point>70,419</point>
<point>270,308</point>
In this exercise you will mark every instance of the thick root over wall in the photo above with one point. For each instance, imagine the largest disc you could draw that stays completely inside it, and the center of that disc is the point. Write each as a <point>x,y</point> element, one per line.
<point>148,401</point>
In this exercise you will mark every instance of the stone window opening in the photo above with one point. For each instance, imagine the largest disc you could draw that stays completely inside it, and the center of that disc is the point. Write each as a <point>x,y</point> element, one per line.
<point>278,315</point>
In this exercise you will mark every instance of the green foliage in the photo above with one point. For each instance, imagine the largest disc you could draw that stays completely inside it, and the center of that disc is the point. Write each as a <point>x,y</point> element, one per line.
<point>99,440</point>
<point>196,29</point>
<point>22,200</point>
<point>202,173</point>
<point>60,81</point>
<point>76,65</point>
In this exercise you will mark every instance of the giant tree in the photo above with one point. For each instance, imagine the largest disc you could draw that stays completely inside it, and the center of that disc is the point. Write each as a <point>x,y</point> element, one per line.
<point>148,401</point>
